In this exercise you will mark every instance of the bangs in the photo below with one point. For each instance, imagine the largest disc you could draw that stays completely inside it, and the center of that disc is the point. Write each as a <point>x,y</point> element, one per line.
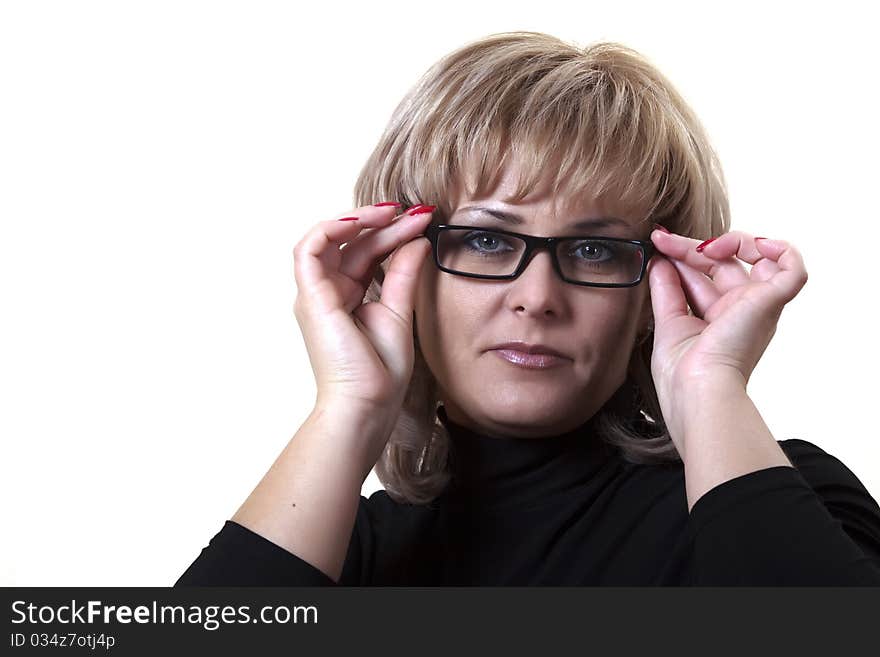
<point>594,124</point>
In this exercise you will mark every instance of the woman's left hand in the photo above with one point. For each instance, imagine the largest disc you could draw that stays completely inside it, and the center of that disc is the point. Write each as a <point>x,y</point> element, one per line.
<point>735,311</point>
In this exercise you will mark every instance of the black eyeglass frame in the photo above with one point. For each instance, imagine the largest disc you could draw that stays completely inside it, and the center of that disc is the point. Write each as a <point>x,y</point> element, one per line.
<point>534,243</point>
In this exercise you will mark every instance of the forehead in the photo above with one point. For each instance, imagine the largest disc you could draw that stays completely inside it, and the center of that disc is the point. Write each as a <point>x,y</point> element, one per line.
<point>542,201</point>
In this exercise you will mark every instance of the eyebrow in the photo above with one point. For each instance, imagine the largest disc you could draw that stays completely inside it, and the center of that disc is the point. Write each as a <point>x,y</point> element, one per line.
<point>512,218</point>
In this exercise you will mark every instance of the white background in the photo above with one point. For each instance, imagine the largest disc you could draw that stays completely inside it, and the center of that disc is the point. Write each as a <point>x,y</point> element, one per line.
<point>160,160</point>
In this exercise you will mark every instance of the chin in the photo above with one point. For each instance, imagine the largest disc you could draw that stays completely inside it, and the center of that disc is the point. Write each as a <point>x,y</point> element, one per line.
<point>529,409</point>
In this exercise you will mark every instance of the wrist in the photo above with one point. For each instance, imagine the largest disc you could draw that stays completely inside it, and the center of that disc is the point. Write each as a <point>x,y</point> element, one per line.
<point>707,389</point>
<point>357,433</point>
<point>698,406</point>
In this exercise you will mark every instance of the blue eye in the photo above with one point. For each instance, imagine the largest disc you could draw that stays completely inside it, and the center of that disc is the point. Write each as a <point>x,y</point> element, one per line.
<point>600,247</point>
<point>469,238</point>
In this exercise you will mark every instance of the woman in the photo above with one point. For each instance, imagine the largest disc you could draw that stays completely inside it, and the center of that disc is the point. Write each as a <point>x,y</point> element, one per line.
<point>565,411</point>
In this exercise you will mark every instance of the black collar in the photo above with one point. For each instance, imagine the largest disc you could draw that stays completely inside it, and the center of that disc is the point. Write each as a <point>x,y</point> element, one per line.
<point>492,473</point>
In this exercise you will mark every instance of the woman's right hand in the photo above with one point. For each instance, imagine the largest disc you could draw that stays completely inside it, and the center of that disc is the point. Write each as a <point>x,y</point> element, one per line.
<point>362,354</point>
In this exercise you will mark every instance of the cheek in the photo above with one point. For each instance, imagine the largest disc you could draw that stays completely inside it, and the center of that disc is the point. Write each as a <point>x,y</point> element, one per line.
<point>450,319</point>
<point>605,328</point>
<point>435,312</point>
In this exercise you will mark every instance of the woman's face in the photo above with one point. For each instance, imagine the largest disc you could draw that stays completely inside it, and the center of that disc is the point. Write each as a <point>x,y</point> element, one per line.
<point>459,320</point>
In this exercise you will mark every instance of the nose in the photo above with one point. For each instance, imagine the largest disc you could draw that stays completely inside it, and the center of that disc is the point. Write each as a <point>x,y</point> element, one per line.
<point>536,290</point>
<point>545,265</point>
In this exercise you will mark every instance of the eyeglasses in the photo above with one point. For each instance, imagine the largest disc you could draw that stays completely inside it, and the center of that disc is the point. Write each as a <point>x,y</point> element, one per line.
<point>502,255</point>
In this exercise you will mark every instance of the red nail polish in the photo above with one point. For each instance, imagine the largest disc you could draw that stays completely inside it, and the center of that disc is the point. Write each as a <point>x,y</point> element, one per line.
<point>702,246</point>
<point>384,203</point>
<point>760,238</point>
<point>349,219</point>
<point>421,209</point>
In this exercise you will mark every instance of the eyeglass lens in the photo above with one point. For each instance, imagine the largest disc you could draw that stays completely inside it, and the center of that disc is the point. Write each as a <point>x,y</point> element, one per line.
<point>493,254</point>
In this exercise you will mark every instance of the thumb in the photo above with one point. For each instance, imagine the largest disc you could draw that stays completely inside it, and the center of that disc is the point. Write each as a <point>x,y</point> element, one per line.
<point>399,286</point>
<point>667,296</point>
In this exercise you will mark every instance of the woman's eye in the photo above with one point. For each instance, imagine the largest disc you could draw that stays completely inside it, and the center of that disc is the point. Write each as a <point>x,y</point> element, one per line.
<point>484,241</point>
<point>593,251</point>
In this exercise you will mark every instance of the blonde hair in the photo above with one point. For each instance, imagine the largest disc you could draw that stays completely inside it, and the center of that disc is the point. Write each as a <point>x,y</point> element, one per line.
<point>594,122</point>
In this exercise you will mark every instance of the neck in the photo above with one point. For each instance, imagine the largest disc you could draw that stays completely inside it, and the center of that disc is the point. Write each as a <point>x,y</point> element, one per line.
<point>498,472</point>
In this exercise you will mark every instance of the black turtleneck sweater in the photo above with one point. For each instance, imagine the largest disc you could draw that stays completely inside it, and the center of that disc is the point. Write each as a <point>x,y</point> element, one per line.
<point>568,510</point>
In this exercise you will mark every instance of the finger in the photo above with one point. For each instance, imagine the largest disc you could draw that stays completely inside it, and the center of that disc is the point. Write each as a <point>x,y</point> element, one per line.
<point>778,262</point>
<point>317,254</point>
<point>368,220</point>
<point>373,224</point>
<point>792,274</point>
<point>368,250</point>
<point>667,297</point>
<point>701,291</point>
<point>764,270</point>
<point>401,279</point>
<point>371,215</point>
<point>716,260</point>
<point>775,261</point>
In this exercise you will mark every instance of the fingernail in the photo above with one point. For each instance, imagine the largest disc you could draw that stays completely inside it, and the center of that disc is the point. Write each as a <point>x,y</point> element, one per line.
<point>349,219</point>
<point>760,238</point>
<point>421,209</point>
<point>384,203</point>
<point>703,245</point>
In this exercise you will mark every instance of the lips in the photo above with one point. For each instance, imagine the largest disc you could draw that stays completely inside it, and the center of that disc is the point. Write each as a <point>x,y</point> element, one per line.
<point>526,348</point>
<point>530,361</point>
